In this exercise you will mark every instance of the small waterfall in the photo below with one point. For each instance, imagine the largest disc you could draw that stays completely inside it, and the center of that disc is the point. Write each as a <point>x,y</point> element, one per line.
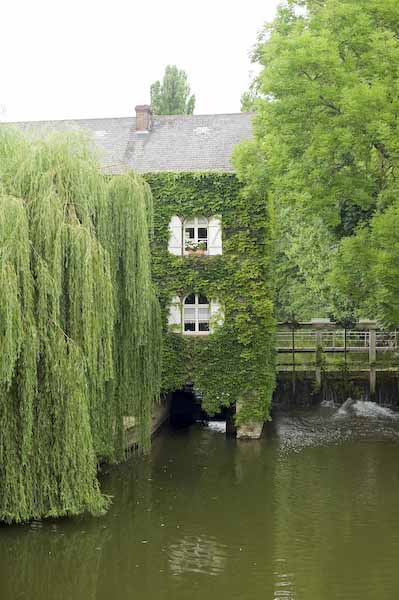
<point>346,408</point>
<point>217,426</point>
<point>365,408</point>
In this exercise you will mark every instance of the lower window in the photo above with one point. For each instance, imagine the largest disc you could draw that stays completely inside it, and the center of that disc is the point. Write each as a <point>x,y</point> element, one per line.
<point>196,314</point>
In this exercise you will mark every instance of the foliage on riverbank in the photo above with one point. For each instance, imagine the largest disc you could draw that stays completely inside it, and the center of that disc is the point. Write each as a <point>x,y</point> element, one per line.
<point>237,360</point>
<point>327,126</point>
<point>79,324</point>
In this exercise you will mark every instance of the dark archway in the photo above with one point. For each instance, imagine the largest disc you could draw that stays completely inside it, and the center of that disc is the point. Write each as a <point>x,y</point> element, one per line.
<point>185,408</point>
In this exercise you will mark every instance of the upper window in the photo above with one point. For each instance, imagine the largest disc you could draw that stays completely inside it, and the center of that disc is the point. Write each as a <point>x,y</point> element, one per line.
<point>196,314</point>
<point>196,236</point>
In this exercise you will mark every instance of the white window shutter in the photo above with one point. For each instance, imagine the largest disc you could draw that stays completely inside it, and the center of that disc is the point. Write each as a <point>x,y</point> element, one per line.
<point>215,236</point>
<point>174,316</point>
<point>217,315</point>
<point>175,236</point>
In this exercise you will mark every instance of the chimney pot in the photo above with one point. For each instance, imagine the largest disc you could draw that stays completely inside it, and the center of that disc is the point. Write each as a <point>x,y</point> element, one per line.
<point>143,117</point>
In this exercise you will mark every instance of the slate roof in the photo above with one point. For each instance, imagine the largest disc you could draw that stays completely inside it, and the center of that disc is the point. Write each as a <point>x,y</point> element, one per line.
<point>175,143</point>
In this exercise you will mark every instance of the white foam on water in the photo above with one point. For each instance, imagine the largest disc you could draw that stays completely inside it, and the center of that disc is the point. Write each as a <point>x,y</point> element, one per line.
<point>328,404</point>
<point>218,426</point>
<point>364,408</point>
<point>354,420</point>
<point>346,408</point>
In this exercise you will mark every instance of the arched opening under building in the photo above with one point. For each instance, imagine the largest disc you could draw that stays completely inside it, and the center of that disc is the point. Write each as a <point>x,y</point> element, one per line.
<point>186,409</point>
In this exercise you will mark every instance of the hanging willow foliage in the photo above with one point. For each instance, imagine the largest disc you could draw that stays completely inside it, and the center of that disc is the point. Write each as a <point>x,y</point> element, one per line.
<point>138,322</point>
<point>79,324</point>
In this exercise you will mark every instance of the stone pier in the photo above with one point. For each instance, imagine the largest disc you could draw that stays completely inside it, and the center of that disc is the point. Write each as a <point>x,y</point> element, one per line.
<point>251,430</point>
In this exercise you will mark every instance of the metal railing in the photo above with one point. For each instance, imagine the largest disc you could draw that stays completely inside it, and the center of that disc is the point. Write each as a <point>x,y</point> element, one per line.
<point>385,340</point>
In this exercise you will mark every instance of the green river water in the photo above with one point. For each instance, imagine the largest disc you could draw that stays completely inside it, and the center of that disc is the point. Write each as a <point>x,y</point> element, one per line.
<point>309,512</point>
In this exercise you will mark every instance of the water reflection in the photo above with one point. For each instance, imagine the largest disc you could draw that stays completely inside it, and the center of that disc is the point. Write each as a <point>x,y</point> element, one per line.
<point>197,555</point>
<point>335,512</point>
<point>50,561</point>
<point>308,512</point>
<point>284,582</point>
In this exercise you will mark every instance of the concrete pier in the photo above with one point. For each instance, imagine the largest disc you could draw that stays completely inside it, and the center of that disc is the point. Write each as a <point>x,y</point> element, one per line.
<point>249,431</point>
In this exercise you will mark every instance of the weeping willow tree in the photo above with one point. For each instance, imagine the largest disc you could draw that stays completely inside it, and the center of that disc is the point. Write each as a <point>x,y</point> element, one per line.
<point>137,316</point>
<point>79,324</point>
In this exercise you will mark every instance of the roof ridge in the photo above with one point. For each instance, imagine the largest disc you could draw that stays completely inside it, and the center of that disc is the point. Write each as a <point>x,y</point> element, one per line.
<point>125,117</point>
<point>208,115</point>
<point>63,120</point>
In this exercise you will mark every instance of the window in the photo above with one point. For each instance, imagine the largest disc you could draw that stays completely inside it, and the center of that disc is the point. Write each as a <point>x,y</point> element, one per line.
<point>196,314</point>
<point>196,234</point>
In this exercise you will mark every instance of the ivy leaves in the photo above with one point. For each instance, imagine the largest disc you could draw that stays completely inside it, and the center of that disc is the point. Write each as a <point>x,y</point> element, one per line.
<point>237,361</point>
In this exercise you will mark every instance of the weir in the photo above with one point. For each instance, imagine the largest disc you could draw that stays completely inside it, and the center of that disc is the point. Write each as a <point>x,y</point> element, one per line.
<point>320,349</point>
<point>316,360</point>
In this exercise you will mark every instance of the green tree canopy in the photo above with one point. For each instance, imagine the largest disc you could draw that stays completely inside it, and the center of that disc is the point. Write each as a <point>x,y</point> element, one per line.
<point>366,269</point>
<point>250,97</point>
<point>330,117</point>
<point>328,125</point>
<point>172,95</point>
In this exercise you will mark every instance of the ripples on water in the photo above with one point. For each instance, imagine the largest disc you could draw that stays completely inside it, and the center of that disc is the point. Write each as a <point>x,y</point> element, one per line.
<point>334,424</point>
<point>309,512</point>
<point>197,555</point>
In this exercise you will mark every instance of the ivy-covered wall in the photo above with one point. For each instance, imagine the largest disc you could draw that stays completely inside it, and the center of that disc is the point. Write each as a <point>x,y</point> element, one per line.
<point>236,362</point>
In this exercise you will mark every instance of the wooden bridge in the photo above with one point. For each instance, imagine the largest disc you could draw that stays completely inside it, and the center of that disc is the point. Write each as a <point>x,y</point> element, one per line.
<point>321,346</point>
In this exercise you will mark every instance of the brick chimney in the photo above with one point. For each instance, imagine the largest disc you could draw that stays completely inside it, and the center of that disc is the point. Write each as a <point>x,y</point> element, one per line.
<point>143,117</point>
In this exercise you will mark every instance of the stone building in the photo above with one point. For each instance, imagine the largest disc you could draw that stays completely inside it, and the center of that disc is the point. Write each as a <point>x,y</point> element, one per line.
<point>187,160</point>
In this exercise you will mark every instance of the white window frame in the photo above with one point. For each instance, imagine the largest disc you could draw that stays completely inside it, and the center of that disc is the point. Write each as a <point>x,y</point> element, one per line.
<point>215,241</point>
<point>177,234</point>
<point>196,226</point>
<point>196,307</point>
<point>176,315</point>
<point>175,242</point>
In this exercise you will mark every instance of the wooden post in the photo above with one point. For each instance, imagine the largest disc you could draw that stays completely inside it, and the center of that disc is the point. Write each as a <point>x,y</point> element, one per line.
<point>318,376</point>
<point>372,361</point>
<point>373,382</point>
<point>293,362</point>
<point>230,424</point>
<point>319,350</point>
<point>372,346</point>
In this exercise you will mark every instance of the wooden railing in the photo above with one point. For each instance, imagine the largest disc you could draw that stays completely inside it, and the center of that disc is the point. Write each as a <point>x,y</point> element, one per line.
<point>334,341</point>
<point>319,340</point>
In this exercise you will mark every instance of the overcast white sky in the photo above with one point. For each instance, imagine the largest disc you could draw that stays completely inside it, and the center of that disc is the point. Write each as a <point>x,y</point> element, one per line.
<point>89,58</point>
